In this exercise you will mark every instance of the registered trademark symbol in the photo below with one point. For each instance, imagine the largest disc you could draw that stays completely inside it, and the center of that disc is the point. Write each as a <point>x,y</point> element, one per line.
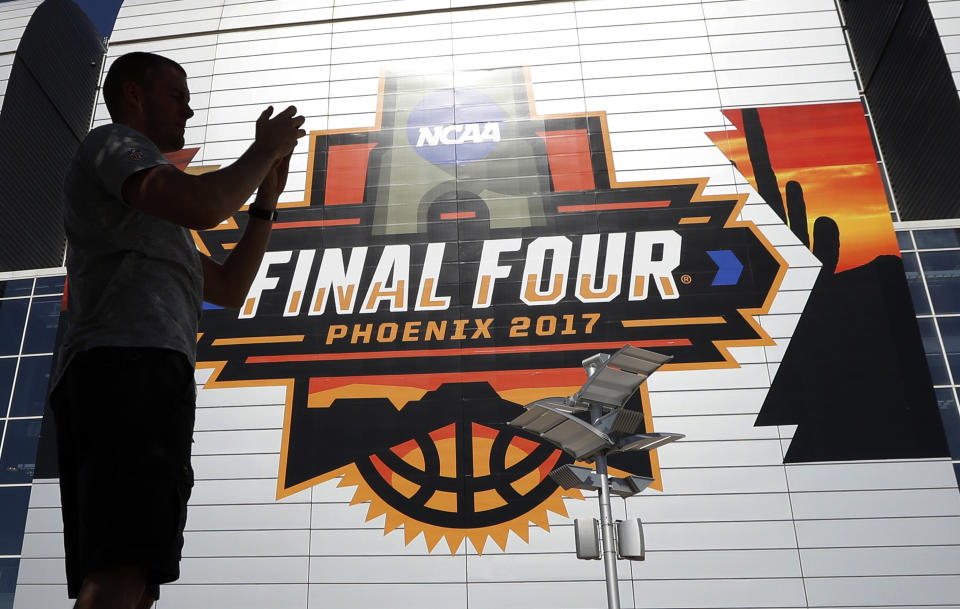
<point>686,279</point>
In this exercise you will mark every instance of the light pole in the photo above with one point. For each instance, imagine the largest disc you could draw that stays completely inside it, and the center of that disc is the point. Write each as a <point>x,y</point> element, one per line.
<point>611,381</point>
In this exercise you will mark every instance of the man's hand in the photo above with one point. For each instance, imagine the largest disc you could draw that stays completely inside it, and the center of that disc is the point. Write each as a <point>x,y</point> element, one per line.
<point>278,136</point>
<point>202,202</point>
<point>274,183</point>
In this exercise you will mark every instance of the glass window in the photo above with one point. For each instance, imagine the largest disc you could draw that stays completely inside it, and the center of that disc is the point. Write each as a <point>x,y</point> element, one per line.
<point>915,282</point>
<point>942,271</point>
<point>15,287</point>
<point>19,456</point>
<point>13,314</point>
<point>951,419</point>
<point>42,325</point>
<point>30,389</point>
<point>903,241</point>
<point>13,517</point>
<point>950,331</point>
<point>50,285</point>
<point>935,239</point>
<point>931,346</point>
<point>8,366</point>
<point>8,581</point>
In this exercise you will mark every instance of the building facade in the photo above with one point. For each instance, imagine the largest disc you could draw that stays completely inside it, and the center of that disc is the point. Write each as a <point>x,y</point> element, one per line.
<point>488,194</point>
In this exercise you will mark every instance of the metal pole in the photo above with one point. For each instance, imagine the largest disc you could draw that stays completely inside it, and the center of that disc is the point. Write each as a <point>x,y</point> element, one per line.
<point>606,527</point>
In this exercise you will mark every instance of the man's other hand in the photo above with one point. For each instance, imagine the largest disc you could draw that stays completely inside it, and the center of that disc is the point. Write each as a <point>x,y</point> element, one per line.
<point>278,136</point>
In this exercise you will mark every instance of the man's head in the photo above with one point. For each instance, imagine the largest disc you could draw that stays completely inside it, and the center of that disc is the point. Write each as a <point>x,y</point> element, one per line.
<point>149,93</point>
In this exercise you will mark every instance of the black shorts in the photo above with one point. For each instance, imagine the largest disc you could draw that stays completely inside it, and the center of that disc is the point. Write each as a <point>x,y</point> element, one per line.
<point>124,427</point>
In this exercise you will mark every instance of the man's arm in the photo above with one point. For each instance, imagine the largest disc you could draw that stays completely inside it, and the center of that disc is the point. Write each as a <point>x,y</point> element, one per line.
<point>227,284</point>
<point>204,201</point>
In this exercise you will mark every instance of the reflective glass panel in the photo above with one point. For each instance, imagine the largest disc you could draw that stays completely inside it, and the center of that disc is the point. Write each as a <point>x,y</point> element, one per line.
<point>50,285</point>
<point>13,314</point>
<point>931,346</point>
<point>15,287</point>
<point>904,241</point>
<point>950,331</point>
<point>8,365</point>
<point>19,456</point>
<point>951,419</point>
<point>30,388</point>
<point>917,292</point>
<point>935,239</point>
<point>13,516</point>
<point>42,325</point>
<point>8,581</point>
<point>942,272</point>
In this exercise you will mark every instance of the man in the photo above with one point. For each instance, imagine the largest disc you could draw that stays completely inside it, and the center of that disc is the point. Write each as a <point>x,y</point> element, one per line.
<point>124,393</point>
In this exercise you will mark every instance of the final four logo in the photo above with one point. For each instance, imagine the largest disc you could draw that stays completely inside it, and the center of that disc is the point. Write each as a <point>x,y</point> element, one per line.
<point>458,260</point>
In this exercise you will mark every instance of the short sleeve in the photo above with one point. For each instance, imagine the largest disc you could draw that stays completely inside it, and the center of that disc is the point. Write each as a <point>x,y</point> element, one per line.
<point>117,152</point>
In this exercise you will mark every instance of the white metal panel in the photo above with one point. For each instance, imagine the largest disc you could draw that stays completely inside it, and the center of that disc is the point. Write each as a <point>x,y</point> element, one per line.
<point>866,532</point>
<point>704,536</point>
<point>248,517</point>
<point>211,544</point>
<point>439,568</point>
<point>745,8</point>
<point>876,504</point>
<point>42,545</point>
<point>13,22</point>
<point>739,60</point>
<point>236,442</point>
<point>53,597</point>
<point>718,427</point>
<point>720,593</point>
<point>707,402</point>
<point>874,591</point>
<point>850,562</point>
<point>871,475</point>
<point>218,467</point>
<point>205,596</point>
<point>655,507</point>
<point>555,594</point>
<point>398,596</point>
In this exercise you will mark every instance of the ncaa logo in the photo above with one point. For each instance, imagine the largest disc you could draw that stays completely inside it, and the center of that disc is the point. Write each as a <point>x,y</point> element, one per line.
<point>454,127</point>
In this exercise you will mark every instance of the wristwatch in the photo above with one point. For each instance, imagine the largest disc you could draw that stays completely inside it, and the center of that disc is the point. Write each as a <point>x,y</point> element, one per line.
<point>263,214</point>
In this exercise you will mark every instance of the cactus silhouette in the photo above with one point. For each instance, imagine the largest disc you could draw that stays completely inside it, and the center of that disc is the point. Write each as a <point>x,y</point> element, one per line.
<point>826,243</point>
<point>797,212</point>
<point>827,250</point>
<point>828,382</point>
<point>760,159</point>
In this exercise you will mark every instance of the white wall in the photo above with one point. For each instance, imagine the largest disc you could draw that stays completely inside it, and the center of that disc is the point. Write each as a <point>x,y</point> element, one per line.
<point>14,16</point>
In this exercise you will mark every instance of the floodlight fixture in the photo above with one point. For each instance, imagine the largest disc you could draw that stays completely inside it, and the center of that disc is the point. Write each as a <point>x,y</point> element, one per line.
<point>611,428</point>
<point>586,479</point>
<point>614,379</point>
<point>645,441</point>
<point>563,428</point>
<point>620,421</point>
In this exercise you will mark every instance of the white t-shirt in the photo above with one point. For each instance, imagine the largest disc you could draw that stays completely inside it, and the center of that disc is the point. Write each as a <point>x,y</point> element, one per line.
<point>134,280</point>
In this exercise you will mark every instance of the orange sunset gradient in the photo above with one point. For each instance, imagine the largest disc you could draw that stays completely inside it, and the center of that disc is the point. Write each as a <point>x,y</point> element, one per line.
<point>827,149</point>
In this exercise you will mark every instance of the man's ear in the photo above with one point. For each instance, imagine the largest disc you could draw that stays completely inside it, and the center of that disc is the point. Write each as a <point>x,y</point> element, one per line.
<point>132,98</point>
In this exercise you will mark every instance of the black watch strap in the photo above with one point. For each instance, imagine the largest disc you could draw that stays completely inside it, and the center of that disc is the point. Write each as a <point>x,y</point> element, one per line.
<point>263,214</point>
